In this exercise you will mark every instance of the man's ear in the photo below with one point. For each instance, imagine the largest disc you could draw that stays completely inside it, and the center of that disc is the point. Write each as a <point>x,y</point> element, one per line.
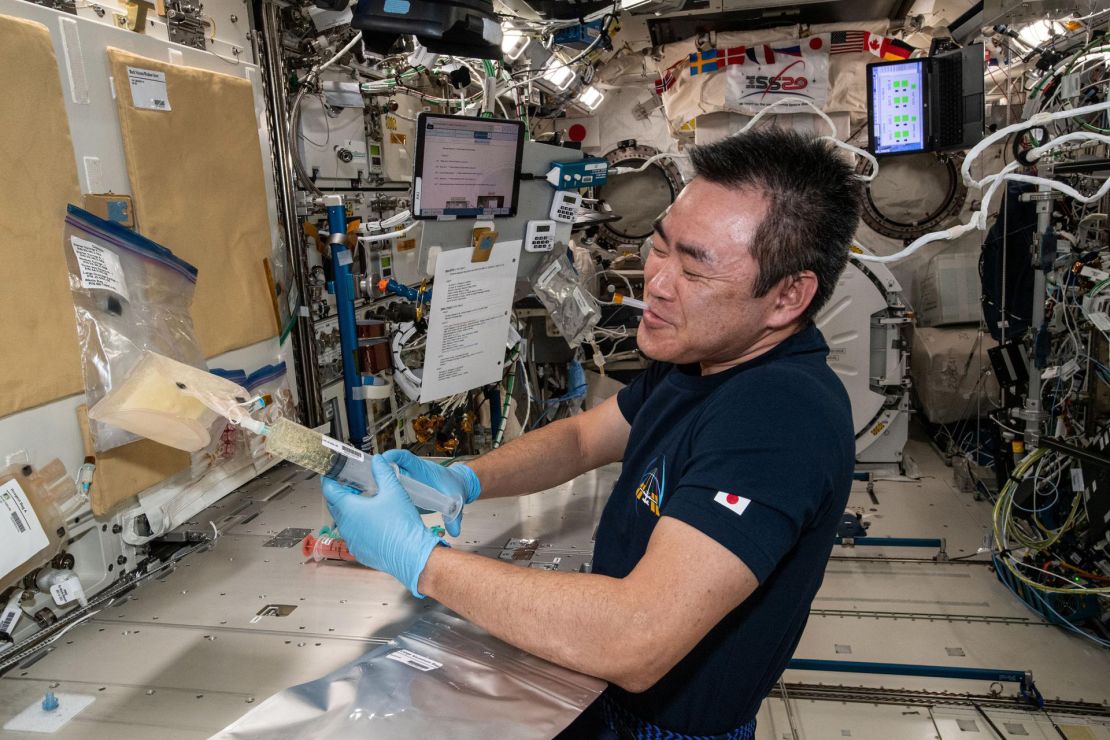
<point>792,295</point>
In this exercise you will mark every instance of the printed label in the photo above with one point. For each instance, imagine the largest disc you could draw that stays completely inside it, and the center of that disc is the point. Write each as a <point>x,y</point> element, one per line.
<point>1076,479</point>
<point>580,299</point>
<point>10,618</point>
<point>343,449</point>
<point>148,89</point>
<point>67,591</point>
<point>21,535</point>
<point>546,276</point>
<point>100,267</point>
<point>419,662</point>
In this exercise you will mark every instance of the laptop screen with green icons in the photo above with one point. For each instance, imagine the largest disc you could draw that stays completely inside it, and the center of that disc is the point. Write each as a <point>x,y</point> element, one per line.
<point>897,98</point>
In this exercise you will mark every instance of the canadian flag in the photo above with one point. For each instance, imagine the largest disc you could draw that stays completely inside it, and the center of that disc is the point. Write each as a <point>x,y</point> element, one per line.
<point>732,502</point>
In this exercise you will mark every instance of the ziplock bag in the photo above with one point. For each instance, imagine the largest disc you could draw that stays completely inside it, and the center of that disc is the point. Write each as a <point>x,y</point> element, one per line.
<point>571,308</point>
<point>130,295</point>
<point>441,677</point>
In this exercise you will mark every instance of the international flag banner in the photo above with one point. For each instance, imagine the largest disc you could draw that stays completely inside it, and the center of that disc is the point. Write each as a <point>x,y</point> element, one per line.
<point>734,55</point>
<point>745,73</point>
<point>795,71</point>
<point>715,60</point>
<point>762,54</point>
<point>847,42</point>
<point>893,49</point>
<point>665,83</point>
<point>887,48</point>
<point>703,62</point>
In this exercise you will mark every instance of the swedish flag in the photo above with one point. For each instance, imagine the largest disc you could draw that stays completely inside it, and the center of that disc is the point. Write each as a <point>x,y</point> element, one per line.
<point>704,62</point>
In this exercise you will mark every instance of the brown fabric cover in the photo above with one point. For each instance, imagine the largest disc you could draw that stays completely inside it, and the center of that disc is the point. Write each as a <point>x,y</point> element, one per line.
<point>196,178</point>
<point>38,177</point>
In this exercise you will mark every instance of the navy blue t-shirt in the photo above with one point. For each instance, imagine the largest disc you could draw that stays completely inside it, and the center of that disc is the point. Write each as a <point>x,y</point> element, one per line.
<point>758,457</point>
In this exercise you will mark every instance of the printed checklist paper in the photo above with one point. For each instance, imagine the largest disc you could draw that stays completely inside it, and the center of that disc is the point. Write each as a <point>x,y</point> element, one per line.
<point>469,320</point>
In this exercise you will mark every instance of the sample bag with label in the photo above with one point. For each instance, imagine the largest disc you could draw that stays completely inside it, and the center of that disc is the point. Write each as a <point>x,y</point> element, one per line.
<point>572,309</point>
<point>130,296</point>
<point>441,677</point>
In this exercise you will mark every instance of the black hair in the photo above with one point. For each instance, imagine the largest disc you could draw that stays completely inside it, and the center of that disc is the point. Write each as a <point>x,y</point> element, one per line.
<point>813,203</point>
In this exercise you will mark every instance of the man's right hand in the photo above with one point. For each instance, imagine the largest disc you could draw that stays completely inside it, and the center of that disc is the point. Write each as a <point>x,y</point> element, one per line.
<point>458,479</point>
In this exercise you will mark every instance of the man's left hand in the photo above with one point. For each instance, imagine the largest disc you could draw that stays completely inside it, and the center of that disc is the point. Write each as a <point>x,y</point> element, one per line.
<point>384,531</point>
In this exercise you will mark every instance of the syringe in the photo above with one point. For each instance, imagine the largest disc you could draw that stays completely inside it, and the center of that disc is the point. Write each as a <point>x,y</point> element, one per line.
<point>341,462</point>
<point>621,300</point>
<point>325,548</point>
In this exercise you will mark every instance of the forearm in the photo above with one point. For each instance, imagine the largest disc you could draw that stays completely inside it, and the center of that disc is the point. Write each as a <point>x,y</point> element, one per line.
<point>533,462</point>
<point>585,622</point>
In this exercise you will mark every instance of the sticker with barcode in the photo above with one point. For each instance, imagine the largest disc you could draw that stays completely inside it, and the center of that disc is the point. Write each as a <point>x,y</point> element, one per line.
<point>419,662</point>
<point>148,89</point>
<point>10,618</point>
<point>343,449</point>
<point>21,534</point>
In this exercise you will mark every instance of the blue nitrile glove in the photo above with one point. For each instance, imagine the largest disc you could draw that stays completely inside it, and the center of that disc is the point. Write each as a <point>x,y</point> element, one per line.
<point>457,480</point>
<point>383,531</point>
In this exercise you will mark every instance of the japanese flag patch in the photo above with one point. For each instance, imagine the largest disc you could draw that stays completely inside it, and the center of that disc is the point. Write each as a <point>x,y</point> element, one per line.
<point>732,502</point>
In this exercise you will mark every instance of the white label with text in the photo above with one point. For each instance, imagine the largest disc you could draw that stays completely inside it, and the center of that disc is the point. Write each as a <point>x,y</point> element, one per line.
<point>21,535</point>
<point>343,449</point>
<point>419,662</point>
<point>10,618</point>
<point>100,268</point>
<point>148,89</point>
<point>68,590</point>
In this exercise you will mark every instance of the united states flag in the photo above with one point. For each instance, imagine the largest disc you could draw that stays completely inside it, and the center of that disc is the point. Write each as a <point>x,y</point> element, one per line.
<point>847,42</point>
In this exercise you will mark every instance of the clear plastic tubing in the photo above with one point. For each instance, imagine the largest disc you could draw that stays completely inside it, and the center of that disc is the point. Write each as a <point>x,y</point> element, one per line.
<point>627,302</point>
<point>342,462</point>
<point>325,548</point>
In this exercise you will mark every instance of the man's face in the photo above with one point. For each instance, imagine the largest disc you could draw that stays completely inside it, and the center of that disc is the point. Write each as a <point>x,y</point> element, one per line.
<point>699,277</point>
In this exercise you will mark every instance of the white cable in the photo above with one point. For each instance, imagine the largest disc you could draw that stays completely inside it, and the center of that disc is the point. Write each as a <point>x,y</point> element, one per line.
<point>528,393</point>
<point>954,233</point>
<point>396,219</point>
<point>979,218</point>
<point>860,153</point>
<point>1088,17</point>
<point>1061,187</point>
<point>647,163</point>
<point>406,379</point>
<point>1038,119</point>
<point>350,45</point>
<point>387,235</point>
<point>386,223</point>
<point>627,282</point>
<point>783,101</point>
<point>1038,152</point>
<point>824,116</point>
